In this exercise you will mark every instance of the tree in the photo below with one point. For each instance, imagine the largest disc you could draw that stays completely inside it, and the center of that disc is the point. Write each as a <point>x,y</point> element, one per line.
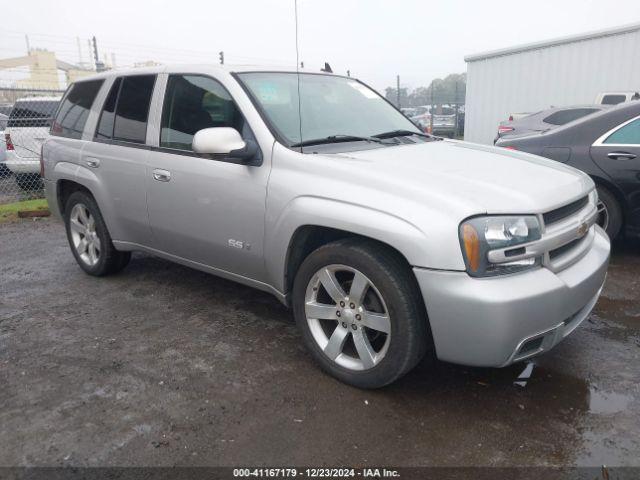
<point>391,94</point>
<point>451,89</point>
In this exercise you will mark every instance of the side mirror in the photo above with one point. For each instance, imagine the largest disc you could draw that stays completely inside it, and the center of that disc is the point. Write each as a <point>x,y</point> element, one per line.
<point>223,141</point>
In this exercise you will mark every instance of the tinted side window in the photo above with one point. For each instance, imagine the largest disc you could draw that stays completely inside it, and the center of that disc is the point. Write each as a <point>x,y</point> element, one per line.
<point>613,99</point>
<point>132,110</point>
<point>194,102</point>
<point>74,110</point>
<point>105,124</point>
<point>627,135</point>
<point>566,116</point>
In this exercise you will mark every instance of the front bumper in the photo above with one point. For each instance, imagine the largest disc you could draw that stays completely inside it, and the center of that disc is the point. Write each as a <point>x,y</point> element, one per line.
<point>496,321</point>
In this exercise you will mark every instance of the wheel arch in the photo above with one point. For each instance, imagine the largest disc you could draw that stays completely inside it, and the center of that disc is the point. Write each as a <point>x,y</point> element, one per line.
<point>615,191</point>
<point>308,238</point>
<point>309,222</point>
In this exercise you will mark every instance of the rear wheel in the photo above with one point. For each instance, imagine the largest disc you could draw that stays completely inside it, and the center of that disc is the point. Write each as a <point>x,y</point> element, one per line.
<point>89,238</point>
<point>609,213</point>
<point>360,312</point>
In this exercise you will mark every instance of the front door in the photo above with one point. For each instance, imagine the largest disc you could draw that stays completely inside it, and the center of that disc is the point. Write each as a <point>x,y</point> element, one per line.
<point>618,154</point>
<point>200,209</point>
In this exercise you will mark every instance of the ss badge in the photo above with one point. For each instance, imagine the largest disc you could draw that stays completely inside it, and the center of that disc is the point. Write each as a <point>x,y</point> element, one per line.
<point>238,244</point>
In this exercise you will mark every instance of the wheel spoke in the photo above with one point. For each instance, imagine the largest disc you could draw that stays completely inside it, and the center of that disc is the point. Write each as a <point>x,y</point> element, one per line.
<point>93,253</point>
<point>91,223</point>
<point>76,226</point>
<point>358,289</point>
<point>331,285</point>
<point>97,244</point>
<point>364,349</point>
<point>82,246</point>
<point>336,342</point>
<point>82,215</point>
<point>377,321</point>
<point>320,311</point>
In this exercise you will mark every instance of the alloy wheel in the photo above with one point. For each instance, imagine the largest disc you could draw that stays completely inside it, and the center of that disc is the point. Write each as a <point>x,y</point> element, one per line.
<point>83,234</point>
<point>347,317</point>
<point>603,215</point>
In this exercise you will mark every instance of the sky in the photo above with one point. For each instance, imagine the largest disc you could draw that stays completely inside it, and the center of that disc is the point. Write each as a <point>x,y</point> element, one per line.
<point>374,39</point>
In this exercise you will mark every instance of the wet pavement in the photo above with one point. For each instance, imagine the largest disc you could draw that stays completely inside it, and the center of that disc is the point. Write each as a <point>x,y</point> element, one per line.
<point>163,365</point>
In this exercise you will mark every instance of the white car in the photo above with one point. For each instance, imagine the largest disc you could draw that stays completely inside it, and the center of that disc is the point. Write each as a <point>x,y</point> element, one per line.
<point>614,98</point>
<point>27,129</point>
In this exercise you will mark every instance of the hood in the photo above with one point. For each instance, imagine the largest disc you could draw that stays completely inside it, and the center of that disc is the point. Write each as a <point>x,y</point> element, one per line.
<point>469,178</point>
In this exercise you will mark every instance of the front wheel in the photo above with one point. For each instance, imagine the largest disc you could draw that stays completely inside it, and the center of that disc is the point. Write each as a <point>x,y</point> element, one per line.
<point>360,312</point>
<point>89,238</point>
<point>609,213</point>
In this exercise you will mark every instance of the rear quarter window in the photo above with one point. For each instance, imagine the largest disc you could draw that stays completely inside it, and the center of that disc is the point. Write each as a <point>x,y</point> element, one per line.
<point>74,109</point>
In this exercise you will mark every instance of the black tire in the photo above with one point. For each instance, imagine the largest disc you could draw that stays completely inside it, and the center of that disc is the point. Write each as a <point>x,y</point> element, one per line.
<point>613,213</point>
<point>410,336</point>
<point>29,182</point>
<point>110,260</point>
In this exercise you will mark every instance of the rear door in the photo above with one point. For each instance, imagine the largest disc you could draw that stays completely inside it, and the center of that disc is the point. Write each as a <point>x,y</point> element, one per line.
<point>116,159</point>
<point>617,152</point>
<point>203,209</point>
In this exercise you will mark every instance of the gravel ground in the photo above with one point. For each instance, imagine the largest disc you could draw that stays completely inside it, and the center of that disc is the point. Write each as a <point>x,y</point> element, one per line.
<point>163,365</point>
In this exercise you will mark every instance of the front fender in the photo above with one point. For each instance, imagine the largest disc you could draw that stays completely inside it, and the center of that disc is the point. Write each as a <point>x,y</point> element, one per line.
<point>405,237</point>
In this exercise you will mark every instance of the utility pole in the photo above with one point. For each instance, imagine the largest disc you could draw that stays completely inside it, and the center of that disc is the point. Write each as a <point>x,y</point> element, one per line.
<point>26,38</point>
<point>398,89</point>
<point>456,100</point>
<point>221,58</point>
<point>432,111</point>
<point>348,73</point>
<point>99,64</point>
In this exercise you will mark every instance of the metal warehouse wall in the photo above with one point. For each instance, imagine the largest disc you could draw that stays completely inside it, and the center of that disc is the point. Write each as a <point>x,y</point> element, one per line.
<point>537,77</point>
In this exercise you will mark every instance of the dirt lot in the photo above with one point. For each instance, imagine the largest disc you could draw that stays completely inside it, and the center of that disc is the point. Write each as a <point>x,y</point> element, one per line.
<point>163,365</point>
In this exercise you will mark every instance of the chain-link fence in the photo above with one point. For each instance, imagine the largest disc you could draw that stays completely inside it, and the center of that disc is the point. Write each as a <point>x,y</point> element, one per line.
<point>25,118</point>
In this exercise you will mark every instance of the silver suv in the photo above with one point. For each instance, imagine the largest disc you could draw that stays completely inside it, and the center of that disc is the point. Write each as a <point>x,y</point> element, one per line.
<point>388,244</point>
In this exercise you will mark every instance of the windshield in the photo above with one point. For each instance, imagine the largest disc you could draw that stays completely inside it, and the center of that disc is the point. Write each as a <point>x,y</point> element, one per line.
<point>329,106</point>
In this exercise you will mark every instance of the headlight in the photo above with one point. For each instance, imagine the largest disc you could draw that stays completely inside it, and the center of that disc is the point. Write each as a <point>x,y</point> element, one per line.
<point>480,235</point>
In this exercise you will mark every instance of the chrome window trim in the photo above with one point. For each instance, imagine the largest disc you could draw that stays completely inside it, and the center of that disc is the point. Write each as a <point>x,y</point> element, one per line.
<point>600,141</point>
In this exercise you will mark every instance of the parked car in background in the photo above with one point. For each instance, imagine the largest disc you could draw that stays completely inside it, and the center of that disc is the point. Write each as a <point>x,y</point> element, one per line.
<point>4,171</point>
<point>27,129</point>
<point>545,120</point>
<point>409,112</point>
<point>444,121</point>
<point>614,98</point>
<point>605,145</point>
<point>389,244</point>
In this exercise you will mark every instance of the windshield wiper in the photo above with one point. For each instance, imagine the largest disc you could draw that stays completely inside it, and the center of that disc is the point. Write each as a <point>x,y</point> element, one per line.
<point>338,139</point>
<point>400,133</point>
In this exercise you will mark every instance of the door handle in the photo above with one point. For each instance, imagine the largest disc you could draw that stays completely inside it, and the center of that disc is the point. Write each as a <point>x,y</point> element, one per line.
<point>92,162</point>
<point>617,155</point>
<point>161,175</point>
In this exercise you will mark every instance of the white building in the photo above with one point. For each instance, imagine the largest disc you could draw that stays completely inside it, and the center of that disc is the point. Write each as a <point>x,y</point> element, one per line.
<point>561,72</point>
